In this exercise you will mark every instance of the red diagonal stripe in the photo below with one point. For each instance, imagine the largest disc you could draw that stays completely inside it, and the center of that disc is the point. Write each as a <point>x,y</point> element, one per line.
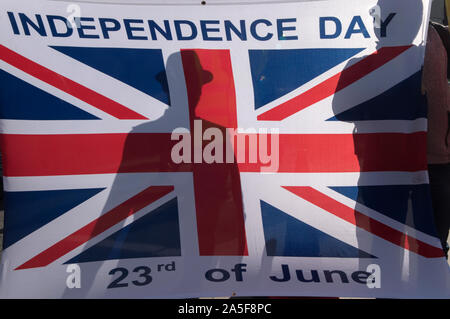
<point>70,87</point>
<point>333,84</point>
<point>369,224</point>
<point>99,225</point>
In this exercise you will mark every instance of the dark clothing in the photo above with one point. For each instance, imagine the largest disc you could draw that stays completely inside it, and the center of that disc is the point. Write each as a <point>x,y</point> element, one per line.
<point>437,90</point>
<point>438,13</point>
<point>445,38</point>
<point>438,138</point>
<point>440,195</point>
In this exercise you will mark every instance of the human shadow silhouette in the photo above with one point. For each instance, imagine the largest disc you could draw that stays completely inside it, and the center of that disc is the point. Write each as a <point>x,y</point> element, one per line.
<point>123,180</point>
<point>406,201</point>
<point>217,187</point>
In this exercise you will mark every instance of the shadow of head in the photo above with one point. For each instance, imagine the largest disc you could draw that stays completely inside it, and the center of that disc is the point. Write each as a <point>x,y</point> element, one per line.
<point>396,26</point>
<point>392,21</point>
<point>183,70</point>
<point>196,76</point>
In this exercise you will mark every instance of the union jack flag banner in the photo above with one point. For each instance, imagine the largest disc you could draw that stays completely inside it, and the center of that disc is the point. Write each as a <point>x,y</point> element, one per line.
<point>166,151</point>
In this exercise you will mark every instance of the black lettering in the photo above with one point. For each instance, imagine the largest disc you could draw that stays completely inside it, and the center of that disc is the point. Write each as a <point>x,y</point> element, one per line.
<point>14,26</point>
<point>106,29</point>
<point>360,276</point>
<point>27,22</point>
<point>314,276</point>
<point>224,275</point>
<point>229,26</point>
<point>329,275</point>
<point>384,24</point>
<point>62,34</point>
<point>286,274</point>
<point>166,32</point>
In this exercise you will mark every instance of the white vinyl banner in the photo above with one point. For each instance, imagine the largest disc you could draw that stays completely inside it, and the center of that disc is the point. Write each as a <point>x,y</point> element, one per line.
<point>186,150</point>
